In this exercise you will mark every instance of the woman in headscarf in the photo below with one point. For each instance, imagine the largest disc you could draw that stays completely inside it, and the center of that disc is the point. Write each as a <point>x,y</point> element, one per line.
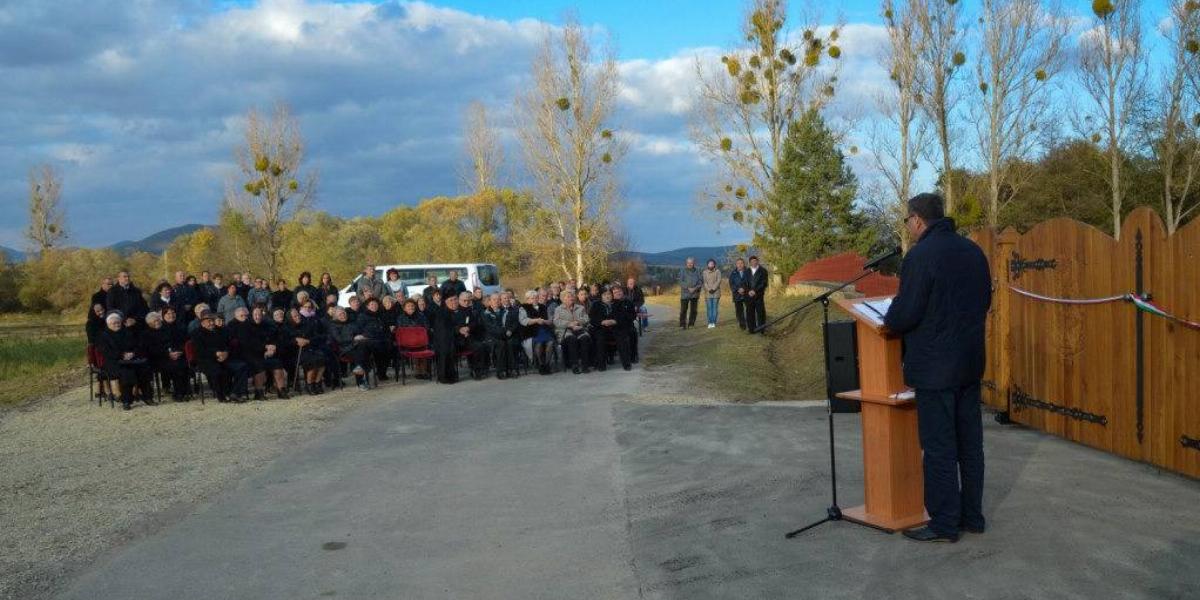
<point>162,344</point>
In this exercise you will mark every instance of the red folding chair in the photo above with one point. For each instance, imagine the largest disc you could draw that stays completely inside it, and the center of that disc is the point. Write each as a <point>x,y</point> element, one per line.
<point>95,362</point>
<point>189,354</point>
<point>412,343</point>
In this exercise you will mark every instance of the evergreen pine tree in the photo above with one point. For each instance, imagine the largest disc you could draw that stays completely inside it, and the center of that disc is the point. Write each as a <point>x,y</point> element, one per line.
<point>811,213</point>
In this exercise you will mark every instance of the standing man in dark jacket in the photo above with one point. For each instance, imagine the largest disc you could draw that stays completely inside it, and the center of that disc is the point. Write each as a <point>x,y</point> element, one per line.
<point>941,309</point>
<point>756,304</point>
<point>127,299</point>
<point>739,284</point>
<point>453,285</point>
<point>689,293</point>
<point>101,295</point>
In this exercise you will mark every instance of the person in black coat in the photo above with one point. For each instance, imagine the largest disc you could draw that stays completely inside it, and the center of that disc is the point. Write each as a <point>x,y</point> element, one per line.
<point>739,286</point>
<point>95,323</point>
<point>447,338</point>
<point>453,285</point>
<point>215,359</point>
<point>756,307</point>
<point>374,326</point>
<point>124,361</point>
<point>250,347</point>
<point>162,345</point>
<point>282,297</point>
<point>100,296</point>
<point>627,316</point>
<point>272,351</point>
<point>410,316</point>
<point>127,299</point>
<point>606,327</point>
<point>317,294</point>
<point>163,297</point>
<point>313,351</point>
<point>941,310</point>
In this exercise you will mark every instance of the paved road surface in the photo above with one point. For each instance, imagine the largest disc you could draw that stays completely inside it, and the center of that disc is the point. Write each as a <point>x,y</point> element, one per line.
<point>565,487</point>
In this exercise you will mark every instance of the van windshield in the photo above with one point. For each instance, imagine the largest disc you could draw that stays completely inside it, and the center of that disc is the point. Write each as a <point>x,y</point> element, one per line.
<point>488,275</point>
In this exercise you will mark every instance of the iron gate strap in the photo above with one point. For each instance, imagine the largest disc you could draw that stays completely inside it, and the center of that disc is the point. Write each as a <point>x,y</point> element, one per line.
<point>1020,399</point>
<point>1189,442</point>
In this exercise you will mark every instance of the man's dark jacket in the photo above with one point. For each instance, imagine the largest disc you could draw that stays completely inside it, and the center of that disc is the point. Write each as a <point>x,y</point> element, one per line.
<point>739,279</point>
<point>128,300</point>
<point>758,281</point>
<point>941,309</point>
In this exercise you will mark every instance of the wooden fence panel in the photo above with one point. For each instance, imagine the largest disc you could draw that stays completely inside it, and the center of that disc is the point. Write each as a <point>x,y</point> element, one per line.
<point>1072,370</point>
<point>1172,410</point>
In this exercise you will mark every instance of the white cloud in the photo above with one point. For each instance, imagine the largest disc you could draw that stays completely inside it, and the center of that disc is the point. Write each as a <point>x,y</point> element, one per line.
<point>141,105</point>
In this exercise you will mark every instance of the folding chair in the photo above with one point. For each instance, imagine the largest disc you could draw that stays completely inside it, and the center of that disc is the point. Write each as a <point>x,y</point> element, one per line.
<point>412,343</point>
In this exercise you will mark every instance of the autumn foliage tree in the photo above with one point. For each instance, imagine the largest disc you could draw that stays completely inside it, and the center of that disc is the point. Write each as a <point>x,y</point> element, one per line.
<point>744,109</point>
<point>271,186</point>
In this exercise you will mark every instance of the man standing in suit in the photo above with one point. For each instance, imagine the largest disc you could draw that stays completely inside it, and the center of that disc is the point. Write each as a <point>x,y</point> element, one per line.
<point>739,284</point>
<point>941,309</point>
<point>756,307</point>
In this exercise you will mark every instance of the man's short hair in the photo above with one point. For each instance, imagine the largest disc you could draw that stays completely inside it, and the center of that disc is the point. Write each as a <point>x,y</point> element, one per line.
<point>929,206</point>
<point>753,258</point>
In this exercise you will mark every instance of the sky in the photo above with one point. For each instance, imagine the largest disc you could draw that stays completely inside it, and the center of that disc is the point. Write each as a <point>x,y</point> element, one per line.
<point>139,103</point>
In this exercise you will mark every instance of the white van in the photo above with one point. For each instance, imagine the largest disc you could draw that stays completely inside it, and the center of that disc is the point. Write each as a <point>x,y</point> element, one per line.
<point>473,275</point>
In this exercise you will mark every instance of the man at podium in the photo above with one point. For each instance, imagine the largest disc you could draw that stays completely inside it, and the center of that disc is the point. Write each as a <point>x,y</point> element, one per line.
<point>945,292</point>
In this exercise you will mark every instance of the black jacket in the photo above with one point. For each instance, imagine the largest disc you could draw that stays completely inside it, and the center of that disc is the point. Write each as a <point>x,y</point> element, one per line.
<point>494,326</point>
<point>113,345</point>
<point>129,301</point>
<point>758,281</point>
<point>941,309</point>
<point>208,343</point>
<point>455,287</point>
<point>418,319</point>
<point>635,296</point>
<point>600,312</point>
<point>739,279</point>
<point>626,314</point>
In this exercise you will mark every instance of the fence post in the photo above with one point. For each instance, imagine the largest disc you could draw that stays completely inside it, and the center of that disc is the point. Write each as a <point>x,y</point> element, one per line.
<point>1006,241</point>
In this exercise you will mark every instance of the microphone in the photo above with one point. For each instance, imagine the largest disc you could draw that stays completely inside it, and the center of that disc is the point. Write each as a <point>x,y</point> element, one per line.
<point>874,262</point>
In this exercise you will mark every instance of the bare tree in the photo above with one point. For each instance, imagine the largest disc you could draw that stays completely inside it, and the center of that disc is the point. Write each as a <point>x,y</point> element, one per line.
<point>484,154</point>
<point>570,150</point>
<point>941,55</point>
<point>1112,73</point>
<point>743,111</point>
<point>897,140</point>
<point>1021,49</point>
<point>47,221</point>
<point>273,188</point>
<point>1176,146</point>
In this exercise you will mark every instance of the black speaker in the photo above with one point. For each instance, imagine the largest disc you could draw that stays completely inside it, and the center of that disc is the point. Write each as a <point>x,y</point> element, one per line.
<point>841,364</point>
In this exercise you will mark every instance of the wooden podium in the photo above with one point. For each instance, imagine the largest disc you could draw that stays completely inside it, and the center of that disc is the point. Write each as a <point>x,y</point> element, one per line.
<point>891,449</point>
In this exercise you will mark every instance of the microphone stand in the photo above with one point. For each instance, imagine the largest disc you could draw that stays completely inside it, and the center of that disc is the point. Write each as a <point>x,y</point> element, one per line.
<point>834,512</point>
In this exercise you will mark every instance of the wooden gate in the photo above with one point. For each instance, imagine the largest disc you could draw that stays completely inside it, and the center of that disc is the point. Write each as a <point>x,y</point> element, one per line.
<point>1106,375</point>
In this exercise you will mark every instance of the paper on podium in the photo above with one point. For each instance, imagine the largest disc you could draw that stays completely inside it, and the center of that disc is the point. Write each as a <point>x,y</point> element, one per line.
<point>874,310</point>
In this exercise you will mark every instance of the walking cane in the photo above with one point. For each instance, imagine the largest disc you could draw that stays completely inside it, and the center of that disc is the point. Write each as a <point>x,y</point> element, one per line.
<point>296,382</point>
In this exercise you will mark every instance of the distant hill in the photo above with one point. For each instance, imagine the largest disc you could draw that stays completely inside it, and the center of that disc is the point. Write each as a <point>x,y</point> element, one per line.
<point>675,258</point>
<point>11,254</point>
<point>155,243</point>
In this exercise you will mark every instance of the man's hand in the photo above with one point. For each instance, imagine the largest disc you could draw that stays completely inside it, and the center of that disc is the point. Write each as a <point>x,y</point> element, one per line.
<point>608,322</point>
<point>302,342</point>
<point>464,331</point>
<point>175,355</point>
<point>127,356</point>
<point>359,338</point>
<point>221,356</point>
<point>752,293</point>
<point>130,322</point>
<point>270,350</point>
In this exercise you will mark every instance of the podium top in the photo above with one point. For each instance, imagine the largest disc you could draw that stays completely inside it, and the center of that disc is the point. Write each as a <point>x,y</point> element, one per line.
<point>868,311</point>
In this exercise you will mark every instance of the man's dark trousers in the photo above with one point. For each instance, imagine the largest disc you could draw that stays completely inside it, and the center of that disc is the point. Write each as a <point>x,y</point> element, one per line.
<point>756,313</point>
<point>739,308</point>
<point>687,311</point>
<point>950,426</point>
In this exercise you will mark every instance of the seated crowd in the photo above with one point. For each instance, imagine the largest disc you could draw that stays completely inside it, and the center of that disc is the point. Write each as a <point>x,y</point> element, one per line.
<point>249,338</point>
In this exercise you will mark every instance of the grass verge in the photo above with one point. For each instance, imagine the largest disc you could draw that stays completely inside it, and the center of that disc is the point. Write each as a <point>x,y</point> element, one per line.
<point>785,364</point>
<point>36,362</point>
